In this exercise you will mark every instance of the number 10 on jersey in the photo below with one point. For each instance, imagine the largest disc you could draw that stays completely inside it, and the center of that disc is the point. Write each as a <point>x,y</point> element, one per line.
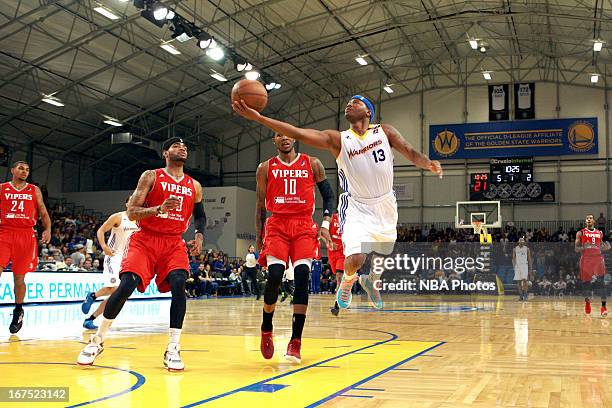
<point>290,186</point>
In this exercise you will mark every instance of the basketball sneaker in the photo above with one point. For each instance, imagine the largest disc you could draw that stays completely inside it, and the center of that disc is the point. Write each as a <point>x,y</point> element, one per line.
<point>89,324</point>
<point>172,358</point>
<point>344,295</point>
<point>334,310</point>
<point>89,300</point>
<point>293,351</point>
<point>266,346</point>
<point>93,349</point>
<point>604,311</point>
<point>587,306</point>
<point>373,293</point>
<point>17,321</point>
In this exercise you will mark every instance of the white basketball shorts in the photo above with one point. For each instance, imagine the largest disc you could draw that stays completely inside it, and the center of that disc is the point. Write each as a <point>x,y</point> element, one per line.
<point>112,267</point>
<point>368,225</point>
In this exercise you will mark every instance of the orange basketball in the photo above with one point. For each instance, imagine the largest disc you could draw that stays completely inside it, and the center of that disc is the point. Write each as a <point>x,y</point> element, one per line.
<point>253,93</point>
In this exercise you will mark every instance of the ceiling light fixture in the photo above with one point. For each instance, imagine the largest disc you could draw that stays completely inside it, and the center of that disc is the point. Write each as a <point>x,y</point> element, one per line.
<point>106,13</point>
<point>252,75</point>
<point>361,60</point>
<point>218,76</point>
<point>487,75</point>
<point>170,48</point>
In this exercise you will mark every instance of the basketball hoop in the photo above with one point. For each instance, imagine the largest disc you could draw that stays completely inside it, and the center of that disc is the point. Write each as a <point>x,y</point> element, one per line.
<point>477,225</point>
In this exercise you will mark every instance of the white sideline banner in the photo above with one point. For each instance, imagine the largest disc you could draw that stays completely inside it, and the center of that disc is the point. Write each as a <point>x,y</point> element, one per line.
<point>48,287</point>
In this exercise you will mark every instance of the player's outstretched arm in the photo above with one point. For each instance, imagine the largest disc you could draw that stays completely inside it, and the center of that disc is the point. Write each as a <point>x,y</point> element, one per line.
<point>44,216</point>
<point>112,222</point>
<point>136,211</point>
<point>400,144</point>
<point>321,139</point>
<point>260,204</point>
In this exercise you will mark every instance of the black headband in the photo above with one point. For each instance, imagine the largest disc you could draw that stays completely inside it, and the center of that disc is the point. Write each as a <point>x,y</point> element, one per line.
<point>172,141</point>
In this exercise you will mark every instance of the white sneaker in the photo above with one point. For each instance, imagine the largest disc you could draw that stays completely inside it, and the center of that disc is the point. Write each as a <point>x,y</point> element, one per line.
<point>91,351</point>
<point>172,358</point>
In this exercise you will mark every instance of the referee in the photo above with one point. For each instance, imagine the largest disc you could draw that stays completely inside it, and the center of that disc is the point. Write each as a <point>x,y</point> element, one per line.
<point>250,269</point>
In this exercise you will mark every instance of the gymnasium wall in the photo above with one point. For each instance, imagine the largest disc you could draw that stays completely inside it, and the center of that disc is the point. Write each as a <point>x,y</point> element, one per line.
<point>582,183</point>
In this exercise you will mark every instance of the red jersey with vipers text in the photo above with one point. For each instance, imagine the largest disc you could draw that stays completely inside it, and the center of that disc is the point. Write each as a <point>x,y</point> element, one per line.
<point>334,231</point>
<point>18,208</point>
<point>290,190</point>
<point>174,222</point>
<point>591,242</point>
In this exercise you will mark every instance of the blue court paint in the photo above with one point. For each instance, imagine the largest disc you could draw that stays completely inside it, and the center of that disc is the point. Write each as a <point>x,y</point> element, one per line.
<point>356,396</point>
<point>265,387</point>
<point>368,389</point>
<point>365,380</point>
<point>225,394</point>
<point>140,379</point>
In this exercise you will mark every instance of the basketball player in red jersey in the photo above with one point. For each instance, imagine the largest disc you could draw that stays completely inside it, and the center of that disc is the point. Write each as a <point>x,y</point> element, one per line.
<point>589,243</point>
<point>335,257</point>
<point>21,203</point>
<point>162,204</point>
<point>285,187</point>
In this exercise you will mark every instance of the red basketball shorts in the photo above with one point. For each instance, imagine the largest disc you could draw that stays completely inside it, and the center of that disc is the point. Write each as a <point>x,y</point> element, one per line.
<point>148,255</point>
<point>294,238</point>
<point>336,260</point>
<point>591,265</point>
<point>20,246</point>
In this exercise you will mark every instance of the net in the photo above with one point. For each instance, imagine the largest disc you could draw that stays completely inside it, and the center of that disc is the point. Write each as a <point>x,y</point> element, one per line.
<point>477,225</point>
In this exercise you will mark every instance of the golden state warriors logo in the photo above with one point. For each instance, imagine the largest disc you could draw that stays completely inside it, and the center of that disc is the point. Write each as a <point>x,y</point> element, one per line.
<point>581,136</point>
<point>446,143</point>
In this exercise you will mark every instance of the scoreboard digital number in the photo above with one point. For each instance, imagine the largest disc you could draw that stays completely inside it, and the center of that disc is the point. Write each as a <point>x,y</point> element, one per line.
<point>512,170</point>
<point>479,183</point>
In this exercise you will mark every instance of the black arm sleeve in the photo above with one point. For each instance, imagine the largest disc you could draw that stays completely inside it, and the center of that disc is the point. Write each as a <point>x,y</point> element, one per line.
<point>328,197</point>
<point>199,218</point>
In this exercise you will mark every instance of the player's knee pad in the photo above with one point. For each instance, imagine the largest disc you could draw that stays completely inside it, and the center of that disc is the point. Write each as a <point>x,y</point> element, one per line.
<point>275,277</point>
<point>128,282</point>
<point>177,280</point>
<point>300,295</point>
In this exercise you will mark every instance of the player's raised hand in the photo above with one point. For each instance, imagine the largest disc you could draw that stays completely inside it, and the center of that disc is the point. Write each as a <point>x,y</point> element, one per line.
<point>46,236</point>
<point>171,203</point>
<point>241,108</point>
<point>195,246</point>
<point>436,168</point>
<point>326,237</point>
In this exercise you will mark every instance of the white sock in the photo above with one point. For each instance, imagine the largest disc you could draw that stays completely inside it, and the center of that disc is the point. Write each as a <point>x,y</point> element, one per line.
<point>104,326</point>
<point>175,335</point>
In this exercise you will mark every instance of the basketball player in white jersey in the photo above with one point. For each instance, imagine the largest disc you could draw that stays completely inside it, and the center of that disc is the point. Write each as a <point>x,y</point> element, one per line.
<point>368,210</point>
<point>121,227</point>
<point>522,262</point>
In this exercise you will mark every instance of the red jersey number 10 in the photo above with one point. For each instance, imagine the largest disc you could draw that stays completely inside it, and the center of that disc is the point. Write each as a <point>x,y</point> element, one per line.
<point>290,186</point>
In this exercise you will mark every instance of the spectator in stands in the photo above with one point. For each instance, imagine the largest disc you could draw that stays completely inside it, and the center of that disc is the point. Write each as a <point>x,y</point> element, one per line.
<point>236,281</point>
<point>559,287</point>
<point>67,265</point>
<point>211,286</point>
<point>250,271</point>
<point>544,286</point>
<point>78,256</point>
<point>88,265</point>
<point>570,282</point>
<point>601,222</point>
<point>96,265</point>
<point>261,280</point>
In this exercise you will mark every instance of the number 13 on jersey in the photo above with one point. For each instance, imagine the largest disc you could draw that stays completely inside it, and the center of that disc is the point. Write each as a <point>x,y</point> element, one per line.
<point>379,155</point>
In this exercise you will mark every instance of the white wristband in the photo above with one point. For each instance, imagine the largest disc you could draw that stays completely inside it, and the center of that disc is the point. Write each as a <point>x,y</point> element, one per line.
<point>325,224</point>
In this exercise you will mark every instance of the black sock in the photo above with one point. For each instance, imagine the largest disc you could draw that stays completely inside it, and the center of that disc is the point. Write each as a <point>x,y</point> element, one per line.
<point>603,303</point>
<point>336,305</point>
<point>92,317</point>
<point>266,324</point>
<point>18,307</point>
<point>93,295</point>
<point>298,326</point>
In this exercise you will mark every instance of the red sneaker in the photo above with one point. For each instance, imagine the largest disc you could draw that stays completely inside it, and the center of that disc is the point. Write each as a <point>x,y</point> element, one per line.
<point>604,311</point>
<point>267,345</point>
<point>293,351</point>
<point>587,306</point>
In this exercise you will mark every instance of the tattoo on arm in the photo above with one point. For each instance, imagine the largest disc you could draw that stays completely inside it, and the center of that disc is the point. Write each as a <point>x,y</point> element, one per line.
<point>317,170</point>
<point>136,211</point>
